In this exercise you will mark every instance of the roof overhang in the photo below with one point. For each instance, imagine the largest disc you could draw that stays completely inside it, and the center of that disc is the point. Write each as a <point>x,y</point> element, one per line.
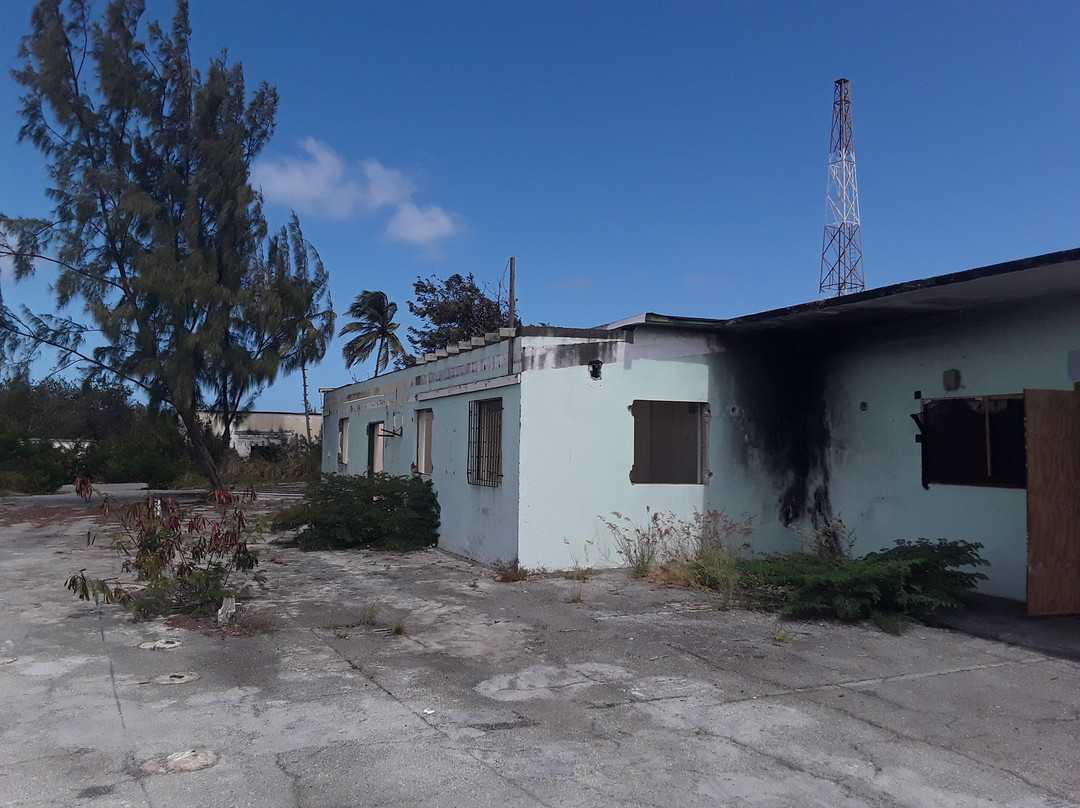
<point>1051,276</point>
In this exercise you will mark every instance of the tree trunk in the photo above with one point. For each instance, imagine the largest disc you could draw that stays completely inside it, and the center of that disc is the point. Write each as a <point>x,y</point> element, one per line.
<point>307,406</point>
<point>201,451</point>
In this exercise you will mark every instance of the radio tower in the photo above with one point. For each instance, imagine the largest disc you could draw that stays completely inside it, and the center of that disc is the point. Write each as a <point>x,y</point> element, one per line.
<point>841,252</point>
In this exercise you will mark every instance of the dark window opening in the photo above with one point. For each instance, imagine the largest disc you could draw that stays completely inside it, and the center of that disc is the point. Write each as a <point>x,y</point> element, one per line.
<point>485,442</point>
<point>974,441</point>
<point>669,442</point>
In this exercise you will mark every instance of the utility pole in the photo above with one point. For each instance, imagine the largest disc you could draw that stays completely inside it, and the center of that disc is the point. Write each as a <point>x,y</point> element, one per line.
<point>841,251</point>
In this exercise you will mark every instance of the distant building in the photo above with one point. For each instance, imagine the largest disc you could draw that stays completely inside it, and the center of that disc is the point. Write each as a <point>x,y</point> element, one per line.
<point>938,408</point>
<point>267,429</point>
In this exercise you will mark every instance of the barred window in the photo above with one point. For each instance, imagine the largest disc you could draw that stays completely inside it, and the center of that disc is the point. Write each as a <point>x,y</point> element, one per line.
<point>485,442</point>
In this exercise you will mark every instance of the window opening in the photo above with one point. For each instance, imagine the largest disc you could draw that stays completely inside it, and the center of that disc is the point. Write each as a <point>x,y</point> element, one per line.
<point>670,442</point>
<point>425,419</point>
<point>375,440</point>
<point>343,441</point>
<point>973,441</point>
<point>485,442</point>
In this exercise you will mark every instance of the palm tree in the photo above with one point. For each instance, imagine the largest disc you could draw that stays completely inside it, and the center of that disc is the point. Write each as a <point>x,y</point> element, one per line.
<point>374,326</point>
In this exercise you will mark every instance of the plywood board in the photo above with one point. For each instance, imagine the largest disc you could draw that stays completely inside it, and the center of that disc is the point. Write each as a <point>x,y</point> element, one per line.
<point>1053,501</point>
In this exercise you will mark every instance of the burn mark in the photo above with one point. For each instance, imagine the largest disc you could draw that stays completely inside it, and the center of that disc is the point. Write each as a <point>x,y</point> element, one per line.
<point>576,354</point>
<point>782,409</point>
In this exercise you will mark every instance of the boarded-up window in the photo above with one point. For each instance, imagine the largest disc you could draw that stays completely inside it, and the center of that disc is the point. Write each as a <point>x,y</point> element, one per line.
<point>425,420</point>
<point>485,442</point>
<point>669,442</point>
<point>974,441</point>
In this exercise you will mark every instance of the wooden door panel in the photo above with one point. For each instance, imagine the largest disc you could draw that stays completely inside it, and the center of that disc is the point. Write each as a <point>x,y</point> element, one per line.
<point>1053,501</point>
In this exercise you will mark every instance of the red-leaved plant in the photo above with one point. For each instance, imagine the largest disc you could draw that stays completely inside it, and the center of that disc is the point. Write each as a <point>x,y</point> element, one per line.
<point>183,562</point>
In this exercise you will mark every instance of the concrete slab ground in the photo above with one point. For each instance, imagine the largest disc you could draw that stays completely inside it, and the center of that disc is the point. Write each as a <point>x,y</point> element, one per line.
<point>545,692</point>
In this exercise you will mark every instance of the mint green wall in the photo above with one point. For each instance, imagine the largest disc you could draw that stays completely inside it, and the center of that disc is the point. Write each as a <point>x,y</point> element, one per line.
<point>875,464</point>
<point>477,521</point>
<point>568,438</point>
<point>577,443</point>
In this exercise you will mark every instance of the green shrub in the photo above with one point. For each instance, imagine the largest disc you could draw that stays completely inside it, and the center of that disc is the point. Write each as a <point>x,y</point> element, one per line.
<point>32,467</point>
<point>380,512</point>
<point>277,463</point>
<point>155,453</point>
<point>910,580</point>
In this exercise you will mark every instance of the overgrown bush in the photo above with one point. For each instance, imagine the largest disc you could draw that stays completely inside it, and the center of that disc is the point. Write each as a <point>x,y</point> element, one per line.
<point>277,463</point>
<point>910,580</point>
<point>380,512</point>
<point>32,466</point>
<point>154,453</point>
<point>701,550</point>
<point>183,562</point>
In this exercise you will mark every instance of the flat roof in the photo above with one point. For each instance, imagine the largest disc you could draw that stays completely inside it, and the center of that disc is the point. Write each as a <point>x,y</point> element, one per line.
<point>1053,275</point>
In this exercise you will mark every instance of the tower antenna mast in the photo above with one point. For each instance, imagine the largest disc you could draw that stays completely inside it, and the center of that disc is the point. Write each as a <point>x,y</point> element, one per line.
<point>841,251</point>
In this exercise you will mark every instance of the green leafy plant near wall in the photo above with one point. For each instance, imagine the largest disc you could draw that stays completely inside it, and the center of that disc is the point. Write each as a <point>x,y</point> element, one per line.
<point>379,512</point>
<point>891,587</point>
<point>909,580</point>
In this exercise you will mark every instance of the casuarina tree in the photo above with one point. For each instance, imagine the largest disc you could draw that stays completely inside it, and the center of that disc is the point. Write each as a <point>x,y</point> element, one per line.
<point>156,237</point>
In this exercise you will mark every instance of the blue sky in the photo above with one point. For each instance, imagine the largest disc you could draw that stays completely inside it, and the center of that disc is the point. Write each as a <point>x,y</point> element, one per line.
<point>637,156</point>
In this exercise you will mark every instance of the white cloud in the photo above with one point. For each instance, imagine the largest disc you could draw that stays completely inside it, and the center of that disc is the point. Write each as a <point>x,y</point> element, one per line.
<point>418,225</point>
<point>316,185</point>
<point>323,184</point>
<point>386,186</point>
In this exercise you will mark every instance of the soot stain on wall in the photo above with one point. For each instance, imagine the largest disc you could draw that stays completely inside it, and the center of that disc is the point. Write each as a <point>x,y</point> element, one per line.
<point>780,395</point>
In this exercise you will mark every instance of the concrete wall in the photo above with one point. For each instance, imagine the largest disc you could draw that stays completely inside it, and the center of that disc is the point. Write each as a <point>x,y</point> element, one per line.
<point>874,461</point>
<point>477,521</point>
<point>797,433</point>
<point>577,436</point>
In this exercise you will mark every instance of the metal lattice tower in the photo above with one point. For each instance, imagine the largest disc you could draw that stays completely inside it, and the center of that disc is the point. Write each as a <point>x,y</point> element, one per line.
<point>841,252</point>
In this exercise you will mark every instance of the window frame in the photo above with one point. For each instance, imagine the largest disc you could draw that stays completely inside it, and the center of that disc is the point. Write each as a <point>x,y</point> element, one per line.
<point>956,448</point>
<point>656,423</point>
<point>343,442</point>
<point>485,442</point>
<point>425,422</point>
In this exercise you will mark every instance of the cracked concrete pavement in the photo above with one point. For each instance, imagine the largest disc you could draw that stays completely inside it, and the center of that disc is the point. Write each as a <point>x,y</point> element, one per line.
<point>501,694</point>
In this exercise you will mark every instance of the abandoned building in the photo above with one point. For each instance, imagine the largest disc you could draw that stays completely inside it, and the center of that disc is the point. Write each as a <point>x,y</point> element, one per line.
<point>937,408</point>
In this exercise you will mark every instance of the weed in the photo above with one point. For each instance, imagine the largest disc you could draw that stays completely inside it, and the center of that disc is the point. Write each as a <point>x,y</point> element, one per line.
<point>696,551</point>
<point>341,634</point>
<point>398,627</point>
<point>369,615</point>
<point>510,572</point>
<point>577,591</point>
<point>356,666</point>
<point>251,623</point>
<point>183,562</point>
<point>778,634</point>
<point>474,583</point>
<point>829,539</point>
